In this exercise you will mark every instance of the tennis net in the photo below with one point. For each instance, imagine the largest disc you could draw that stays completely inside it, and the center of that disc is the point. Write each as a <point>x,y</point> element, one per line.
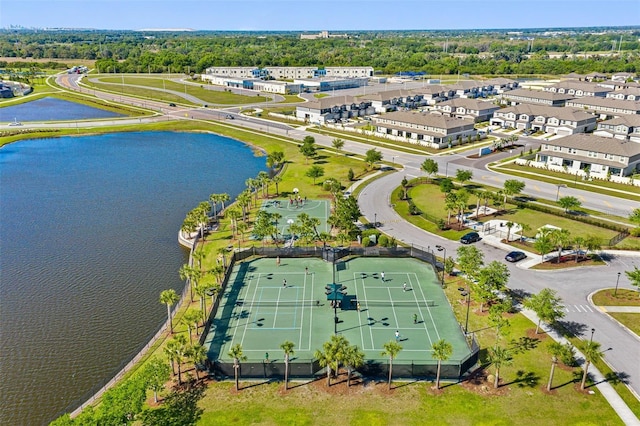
<point>352,302</point>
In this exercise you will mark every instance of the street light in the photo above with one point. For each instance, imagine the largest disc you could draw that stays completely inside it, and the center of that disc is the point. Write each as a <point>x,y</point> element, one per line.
<point>375,220</point>
<point>562,185</point>
<point>593,330</point>
<point>617,281</point>
<point>444,260</point>
<point>393,161</point>
<point>466,322</point>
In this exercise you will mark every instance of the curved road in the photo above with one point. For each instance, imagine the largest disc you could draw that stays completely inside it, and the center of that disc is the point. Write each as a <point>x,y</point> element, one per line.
<point>572,285</point>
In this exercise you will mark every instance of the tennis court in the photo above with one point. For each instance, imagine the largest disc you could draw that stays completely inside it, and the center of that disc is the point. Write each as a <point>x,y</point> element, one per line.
<point>265,304</point>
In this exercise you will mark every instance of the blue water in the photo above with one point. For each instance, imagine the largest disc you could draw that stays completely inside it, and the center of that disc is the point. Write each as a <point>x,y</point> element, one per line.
<point>89,231</point>
<point>52,109</point>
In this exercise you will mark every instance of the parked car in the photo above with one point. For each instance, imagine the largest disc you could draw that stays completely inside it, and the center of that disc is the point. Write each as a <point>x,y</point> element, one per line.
<point>172,104</point>
<point>514,256</point>
<point>469,238</point>
<point>229,117</point>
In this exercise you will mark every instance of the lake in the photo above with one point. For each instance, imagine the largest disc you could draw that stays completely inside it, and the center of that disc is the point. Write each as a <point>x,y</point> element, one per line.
<point>52,109</point>
<point>89,231</point>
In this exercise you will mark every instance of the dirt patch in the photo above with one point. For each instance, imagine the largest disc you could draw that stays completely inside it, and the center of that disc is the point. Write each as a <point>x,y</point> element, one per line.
<point>480,383</point>
<point>531,333</point>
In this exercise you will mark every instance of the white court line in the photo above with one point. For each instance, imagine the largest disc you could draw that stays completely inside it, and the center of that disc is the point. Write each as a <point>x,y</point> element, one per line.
<point>253,300</point>
<point>429,311</point>
<point>355,281</point>
<point>364,290</point>
<point>395,317</point>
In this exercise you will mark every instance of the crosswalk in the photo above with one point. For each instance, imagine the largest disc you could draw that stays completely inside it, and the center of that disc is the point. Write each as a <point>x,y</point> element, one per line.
<point>578,308</point>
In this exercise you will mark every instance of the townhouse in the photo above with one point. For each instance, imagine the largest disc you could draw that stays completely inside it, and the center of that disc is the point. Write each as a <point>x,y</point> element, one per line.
<point>436,131</point>
<point>625,127</point>
<point>591,156</point>
<point>518,96</point>
<point>392,100</point>
<point>334,108</point>
<point>628,93</point>
<point>561,121</point>
<point>606,107</point>
<point>470,109</point>
<point>578,89</point>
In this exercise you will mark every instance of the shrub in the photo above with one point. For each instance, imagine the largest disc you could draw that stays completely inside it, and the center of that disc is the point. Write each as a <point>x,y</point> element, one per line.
<point>350,175</point>
<point>442,225</point>
<point>635,232</point>
<point>413,209</point>
<point>369,232</point>
<point>366,242</point>
<point>383,241</point>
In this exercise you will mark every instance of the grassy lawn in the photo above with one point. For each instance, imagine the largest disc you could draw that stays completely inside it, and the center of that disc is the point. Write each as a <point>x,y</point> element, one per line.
<point>156,85</point>
<point>429,199</point>
<point>624,297</point>
<point>520,399</point>
<point>630,320</point>
<point>598,186</point>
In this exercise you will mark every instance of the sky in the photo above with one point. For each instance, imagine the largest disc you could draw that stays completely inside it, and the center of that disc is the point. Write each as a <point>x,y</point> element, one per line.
<point>309,15</point>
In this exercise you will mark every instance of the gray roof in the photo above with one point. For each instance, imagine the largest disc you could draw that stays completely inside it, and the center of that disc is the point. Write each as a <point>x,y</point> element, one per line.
<point>389,94</point>
<point>331,101</point>
<point>538,94</point>
<point>426,119</point>
<point>606,102</point>
<point>581,85</point>
<point>563,113</point>
<point>597,144</point>
<point>469,104</point>
<point>498,81</point>
<point>631,120</point>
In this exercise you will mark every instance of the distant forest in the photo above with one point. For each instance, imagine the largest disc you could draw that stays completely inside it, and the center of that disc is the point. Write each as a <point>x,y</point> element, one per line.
<point>491,52</point>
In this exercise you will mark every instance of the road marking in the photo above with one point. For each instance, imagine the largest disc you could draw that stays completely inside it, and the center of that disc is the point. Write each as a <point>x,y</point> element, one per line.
<point>537,188</point>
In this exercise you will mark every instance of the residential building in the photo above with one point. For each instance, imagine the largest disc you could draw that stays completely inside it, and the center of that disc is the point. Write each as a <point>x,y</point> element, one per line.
<point>425,129</point>
<point>471,109</point>
<point>560,121</point>
<point>625,127</point>
<point>498,85</point>
<point>591,156</point>
<point>606,107</point>
<point>578,89</point>
<point>628,93</point>
<point>518,96</point>
<point>392,100</point>
<point>320,35</point>
<point>332,109</point>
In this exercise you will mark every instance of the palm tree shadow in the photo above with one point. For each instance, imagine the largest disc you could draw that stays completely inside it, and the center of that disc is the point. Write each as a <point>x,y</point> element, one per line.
<point>525,379</point>
<point>409,383</point>
<point>256,384</point>
<point>293,385</point>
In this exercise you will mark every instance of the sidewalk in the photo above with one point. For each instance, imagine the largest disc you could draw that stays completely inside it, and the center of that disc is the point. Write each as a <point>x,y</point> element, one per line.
<point>625,309</point>
<point>610,394</point>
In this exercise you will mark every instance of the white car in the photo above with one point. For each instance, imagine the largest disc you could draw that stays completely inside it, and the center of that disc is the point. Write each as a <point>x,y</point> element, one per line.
<point>15,123</point>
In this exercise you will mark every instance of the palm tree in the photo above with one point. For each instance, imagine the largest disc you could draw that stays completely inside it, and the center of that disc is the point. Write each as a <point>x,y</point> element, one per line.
<point>442,351</point>
<point>236,353</point>
<point>169,298</point>
<point>560,239</point>
<point>324,359</point>
<point>509,225</point>
<point>277,179</point>
<point>555,349</point>
<point>263,179</point>
<point>191,319</point>
<point>591,352</point>
<point>499,357</point>
<point>234,214</point>
<point>197,354</point>
<point>191,274</point>
<point>391,349</point>
<point>198,255</point>
<point>176,350</point>
<point>287,347</point>
<point>353,359</point>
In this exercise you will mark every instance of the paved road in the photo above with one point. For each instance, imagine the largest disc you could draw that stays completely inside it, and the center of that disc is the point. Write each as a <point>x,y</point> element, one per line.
<point>573,286</point>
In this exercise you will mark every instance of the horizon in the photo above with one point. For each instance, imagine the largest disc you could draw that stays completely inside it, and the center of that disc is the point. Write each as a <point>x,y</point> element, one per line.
<point>332,16</point>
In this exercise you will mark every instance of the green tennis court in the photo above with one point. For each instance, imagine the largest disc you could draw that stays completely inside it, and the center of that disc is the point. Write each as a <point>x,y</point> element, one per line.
<point>290,208</point>
<point>265,304</point>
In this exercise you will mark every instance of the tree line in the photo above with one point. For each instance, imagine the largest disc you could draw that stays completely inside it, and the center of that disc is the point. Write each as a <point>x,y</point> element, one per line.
<point>434,53</point>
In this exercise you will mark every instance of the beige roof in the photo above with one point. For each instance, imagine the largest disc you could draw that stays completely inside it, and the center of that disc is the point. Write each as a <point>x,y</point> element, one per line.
<point>597,144</point>
<point>426,119</point>
<point>498,81</point>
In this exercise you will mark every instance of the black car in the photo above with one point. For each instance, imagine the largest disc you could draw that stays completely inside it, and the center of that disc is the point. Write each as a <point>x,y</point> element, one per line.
<point>172,104</point>
<point>469,238</point>
<point>515,256</point>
